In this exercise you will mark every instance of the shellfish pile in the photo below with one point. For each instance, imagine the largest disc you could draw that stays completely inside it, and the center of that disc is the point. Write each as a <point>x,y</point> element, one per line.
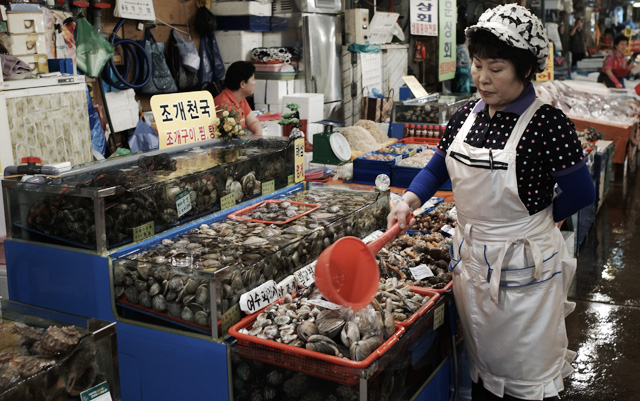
<point>237,255</point>
<point>144,195</point>
<point>69,360</point>
<point>434,220</point>
<point>407,251</point>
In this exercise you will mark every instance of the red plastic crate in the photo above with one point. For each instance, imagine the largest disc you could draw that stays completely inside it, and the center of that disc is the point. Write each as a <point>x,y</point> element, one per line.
<point>433,297</point>
<point>340,370</point>
<point>438,290</point>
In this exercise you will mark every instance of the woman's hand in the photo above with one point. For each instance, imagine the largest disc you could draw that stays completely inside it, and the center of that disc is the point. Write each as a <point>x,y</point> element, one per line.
<point>618,85</point>
<point>401,211</point>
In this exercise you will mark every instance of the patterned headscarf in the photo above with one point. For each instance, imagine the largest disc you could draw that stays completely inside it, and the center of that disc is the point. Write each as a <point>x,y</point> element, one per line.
<point>518,27</point>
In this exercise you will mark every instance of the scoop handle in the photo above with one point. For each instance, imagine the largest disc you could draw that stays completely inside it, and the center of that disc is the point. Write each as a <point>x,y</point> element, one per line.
<point>376,246</point>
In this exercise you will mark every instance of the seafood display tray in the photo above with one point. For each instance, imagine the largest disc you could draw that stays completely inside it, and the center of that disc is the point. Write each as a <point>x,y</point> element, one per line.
<point>440,291</point>
<point>164,316</point>
<point>239,215</point>
<point>340,370</point>
<point>402,176</point>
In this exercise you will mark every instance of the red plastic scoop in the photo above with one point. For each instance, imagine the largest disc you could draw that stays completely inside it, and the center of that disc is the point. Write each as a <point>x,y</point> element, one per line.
<point>347,272</point>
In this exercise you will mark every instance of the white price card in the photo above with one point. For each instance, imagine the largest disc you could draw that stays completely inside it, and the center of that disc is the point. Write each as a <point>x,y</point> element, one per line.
<point>306,276</point>
<point>373,236</point>
<point>259,297</point>
<point>183,202</point>
<point>287,286</point>
<point>447,229</point>
<point>398,159</point>
<point>421,271</point>
<point>97,393</point>
<point>453,213</point>
<point>135,9</point>
<point>325,304</point>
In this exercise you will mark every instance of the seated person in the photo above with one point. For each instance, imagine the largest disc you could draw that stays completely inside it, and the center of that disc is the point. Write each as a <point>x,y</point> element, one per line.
<point>615,67</point>
<point>239,82</point>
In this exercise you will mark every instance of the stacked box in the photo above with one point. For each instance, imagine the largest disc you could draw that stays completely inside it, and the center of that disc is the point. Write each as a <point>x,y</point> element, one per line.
<point>237,45</point>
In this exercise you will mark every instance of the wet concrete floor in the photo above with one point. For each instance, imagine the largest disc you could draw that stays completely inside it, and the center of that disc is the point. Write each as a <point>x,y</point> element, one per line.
<point>605,326</point>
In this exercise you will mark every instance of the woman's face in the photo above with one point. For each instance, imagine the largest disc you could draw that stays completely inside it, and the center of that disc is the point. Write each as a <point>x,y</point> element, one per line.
<point>249,85</point>
<point>496,81</point>
<point>621,47</point>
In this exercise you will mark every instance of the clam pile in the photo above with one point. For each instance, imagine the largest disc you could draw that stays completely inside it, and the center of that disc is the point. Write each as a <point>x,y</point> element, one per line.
<point>434,220</point>
<point>275,211</point>
<point>428,113</point>
<point>395,298</point>
<point>236,256</point>
<point>46,364</point>
<point>406,251</point>
<point>144,195</point>
<point>403,149</point>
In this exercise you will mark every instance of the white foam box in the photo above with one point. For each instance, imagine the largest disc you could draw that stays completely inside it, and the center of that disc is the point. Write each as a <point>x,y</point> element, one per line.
<point>25,22</point>
<point>241,8</point>
<point>31,43</point>
<point>237,45</point>
<point>269,107</point>
<point>311,105</point>
<point>313,129</point>
<point>271,128</point>
<point>269,91</point>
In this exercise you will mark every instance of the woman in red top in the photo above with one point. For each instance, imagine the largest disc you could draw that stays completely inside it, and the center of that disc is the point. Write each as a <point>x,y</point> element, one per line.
<point>615,65</point>
<point>239,83</point>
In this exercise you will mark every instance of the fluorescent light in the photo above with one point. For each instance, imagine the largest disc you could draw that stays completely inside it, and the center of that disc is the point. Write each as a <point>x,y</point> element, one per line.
<point>636,4</point>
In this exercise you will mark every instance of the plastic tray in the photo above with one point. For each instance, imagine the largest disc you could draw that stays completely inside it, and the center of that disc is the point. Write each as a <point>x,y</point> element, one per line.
<point>366,171</point>
<point>340,370</point>
<point>238,214</point>
<point>433,294</point>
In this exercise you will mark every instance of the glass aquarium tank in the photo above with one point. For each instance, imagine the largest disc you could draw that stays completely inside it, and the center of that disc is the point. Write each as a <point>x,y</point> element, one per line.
<point>107,204</point>
<point>193,279</point>
<point>48,355</point>
<point>436,112</point>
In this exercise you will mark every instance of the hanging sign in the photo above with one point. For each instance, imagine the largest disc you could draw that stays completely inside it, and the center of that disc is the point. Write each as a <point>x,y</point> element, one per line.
<point>135,9</point>
<point>447,40</point>
<point>183,202</point>
<point>183,118</point>
<point>547,74</point>
<point>299,159</point>
<point>424,17</point>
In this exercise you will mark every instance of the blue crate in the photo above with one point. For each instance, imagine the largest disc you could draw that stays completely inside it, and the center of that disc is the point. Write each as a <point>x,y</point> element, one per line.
<point>366,171</point>
<point>243,23</point>
<point>402,176</point>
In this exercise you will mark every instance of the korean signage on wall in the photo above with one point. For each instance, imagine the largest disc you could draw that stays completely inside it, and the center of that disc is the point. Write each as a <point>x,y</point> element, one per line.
<point>447,40</point>
<point>547,74</point>
<point>424,17</point>
<point>183,118</point>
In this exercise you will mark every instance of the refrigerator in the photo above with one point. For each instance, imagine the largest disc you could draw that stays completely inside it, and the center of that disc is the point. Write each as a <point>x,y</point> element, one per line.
<point>315,27</point>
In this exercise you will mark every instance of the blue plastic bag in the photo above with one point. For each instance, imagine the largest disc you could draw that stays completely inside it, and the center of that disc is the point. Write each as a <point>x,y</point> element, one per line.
<point>144,138</point>
<point>98,139</point>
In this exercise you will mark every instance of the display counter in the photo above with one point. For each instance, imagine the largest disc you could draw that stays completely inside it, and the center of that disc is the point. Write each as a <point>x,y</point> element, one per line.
<point>624,137</point>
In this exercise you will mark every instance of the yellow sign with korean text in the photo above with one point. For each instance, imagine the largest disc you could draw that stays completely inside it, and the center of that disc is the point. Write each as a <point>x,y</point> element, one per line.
<point>547,74</point>
<point>299,159</point>
<point>183,118</point>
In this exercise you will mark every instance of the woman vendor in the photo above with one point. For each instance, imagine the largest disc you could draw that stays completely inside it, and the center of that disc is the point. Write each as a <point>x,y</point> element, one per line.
<point>505,153</point>
<point>615,67</point>
<point>239,82</point>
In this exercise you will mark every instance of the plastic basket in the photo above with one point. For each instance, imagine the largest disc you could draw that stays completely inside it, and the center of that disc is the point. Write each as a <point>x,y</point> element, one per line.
<point>340,370</point>
<point>402,176</point>
<point>438,290</point>
<point>365,171</point>
<point>238,215</point>
<point>433,297</point>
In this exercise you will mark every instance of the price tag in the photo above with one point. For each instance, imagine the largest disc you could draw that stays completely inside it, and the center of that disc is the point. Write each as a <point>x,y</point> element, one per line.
<point>413,152</point>
<point>299,161</point>
<point>372,237</point>
<point>438,317</point>
<point>228,201</point>
<point>230,317</point>
<point>306,276</point>
<point>453,213</point>
<point>287,286</point>
<point>183,202</point>
<point>398,159</point>
<point>447,229</point>
<point>325,304</point>
<point>290,179</point>
<point>143,232</point>
<point>268,187</point>
<point>97,393</point>
<point>259,297</point>
<point>421,271</point>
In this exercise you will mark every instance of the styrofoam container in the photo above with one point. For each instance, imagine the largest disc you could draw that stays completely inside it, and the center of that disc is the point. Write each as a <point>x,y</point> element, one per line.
<point>270,107</point>
<point>311,105</point>
<point>237,45</point>
<point>241,8</point>
<point>25,22</point>
<point>272,91</point>
<point>32,43</point>
<point>271,128</point>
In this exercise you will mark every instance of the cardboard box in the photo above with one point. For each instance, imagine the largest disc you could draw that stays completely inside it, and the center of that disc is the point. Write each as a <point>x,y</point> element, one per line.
<point>237,45</point>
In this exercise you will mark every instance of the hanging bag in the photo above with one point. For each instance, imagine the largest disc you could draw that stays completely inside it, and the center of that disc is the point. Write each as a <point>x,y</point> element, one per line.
<point>161,80</point>
<point>185,79</point>
<point>92,50</point>
<point>377,109</point>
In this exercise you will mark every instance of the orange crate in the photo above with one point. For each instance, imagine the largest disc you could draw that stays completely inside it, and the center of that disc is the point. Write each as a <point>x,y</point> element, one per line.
<point>238,215</point>
<point>433,294</point>
<point>438,290</point>
<point>340,370</point>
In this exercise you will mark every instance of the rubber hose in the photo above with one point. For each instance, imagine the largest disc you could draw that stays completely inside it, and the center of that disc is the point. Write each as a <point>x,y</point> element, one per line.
<point>129,55</point>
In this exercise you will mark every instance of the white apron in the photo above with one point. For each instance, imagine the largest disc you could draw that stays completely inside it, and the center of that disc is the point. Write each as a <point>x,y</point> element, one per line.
<point>511,273</point>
